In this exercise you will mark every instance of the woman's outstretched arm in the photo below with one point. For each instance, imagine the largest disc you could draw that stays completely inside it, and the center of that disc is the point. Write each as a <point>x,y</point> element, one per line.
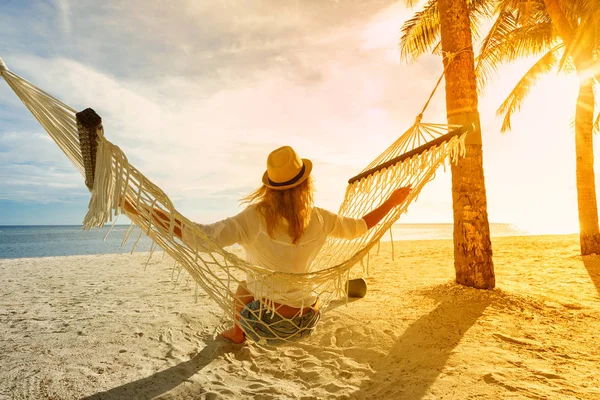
<point>159,218</point>
<point>396,198</point>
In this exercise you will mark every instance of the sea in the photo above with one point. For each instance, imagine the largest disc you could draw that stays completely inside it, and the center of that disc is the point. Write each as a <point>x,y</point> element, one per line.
<point>66,240</point>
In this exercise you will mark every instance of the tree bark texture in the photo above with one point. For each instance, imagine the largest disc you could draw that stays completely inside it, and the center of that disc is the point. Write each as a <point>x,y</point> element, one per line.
<point>583,58</point>
<point>472,245</point>
<point>589,234</point>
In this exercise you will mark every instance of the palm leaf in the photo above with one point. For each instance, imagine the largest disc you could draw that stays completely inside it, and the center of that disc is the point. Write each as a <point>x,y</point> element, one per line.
<point>531,11</point>
<point>517,96</point>
<point>479,11</point>
<point>437,49</point>
<point>586,42</point>
<point>597,124</point>
<point>482,8</point>
<point>420,33</point>
<point>488,61</point>
<point>566,66</point>
<point>564,59</point>
<point>526,11</point>
<point>506,43</point>
<point>411,3</point>
<point>584,17</point>
<point>576,10</point>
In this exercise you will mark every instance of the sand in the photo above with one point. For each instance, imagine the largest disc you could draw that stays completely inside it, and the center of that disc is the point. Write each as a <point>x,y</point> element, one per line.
<point>100,327</point>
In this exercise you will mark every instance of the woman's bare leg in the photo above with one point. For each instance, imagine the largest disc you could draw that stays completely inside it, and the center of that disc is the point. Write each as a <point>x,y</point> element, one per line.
<point>241,298</point>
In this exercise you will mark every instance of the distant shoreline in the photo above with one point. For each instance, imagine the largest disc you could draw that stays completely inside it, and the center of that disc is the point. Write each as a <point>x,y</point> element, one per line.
<point>401,242</point>
<point>34,241</point>
<point>109,224</point>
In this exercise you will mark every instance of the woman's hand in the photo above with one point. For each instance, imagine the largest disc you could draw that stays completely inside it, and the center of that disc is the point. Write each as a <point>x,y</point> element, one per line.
<point>398,196</point>
<point>155,215</point>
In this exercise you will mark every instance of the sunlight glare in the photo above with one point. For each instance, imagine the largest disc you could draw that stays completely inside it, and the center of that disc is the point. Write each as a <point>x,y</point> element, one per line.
<point>548,226</point>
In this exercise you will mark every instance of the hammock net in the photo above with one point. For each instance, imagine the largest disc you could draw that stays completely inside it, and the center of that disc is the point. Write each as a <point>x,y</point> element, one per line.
<point>413,160</point>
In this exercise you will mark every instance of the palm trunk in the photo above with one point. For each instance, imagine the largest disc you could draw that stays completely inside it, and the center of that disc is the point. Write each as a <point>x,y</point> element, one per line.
<point>589,238</point>
<point>586,187</point>
<point>472,244</point>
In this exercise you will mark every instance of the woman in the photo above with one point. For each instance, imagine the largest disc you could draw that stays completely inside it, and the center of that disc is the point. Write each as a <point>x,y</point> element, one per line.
<point>282,231</point>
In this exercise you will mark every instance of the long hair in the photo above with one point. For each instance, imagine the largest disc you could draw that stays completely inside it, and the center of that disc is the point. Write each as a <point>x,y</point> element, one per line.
<point>292,205</point>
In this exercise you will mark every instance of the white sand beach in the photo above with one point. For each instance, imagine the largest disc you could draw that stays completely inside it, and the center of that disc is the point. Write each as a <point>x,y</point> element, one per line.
<point>102,327</point>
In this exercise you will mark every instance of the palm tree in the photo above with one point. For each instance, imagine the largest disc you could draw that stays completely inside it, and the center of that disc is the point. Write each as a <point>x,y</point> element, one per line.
<point>450,20</point>
<point>566,35</point>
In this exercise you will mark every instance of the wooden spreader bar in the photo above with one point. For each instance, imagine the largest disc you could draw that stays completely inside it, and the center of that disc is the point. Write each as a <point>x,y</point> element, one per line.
<point>409,154</point>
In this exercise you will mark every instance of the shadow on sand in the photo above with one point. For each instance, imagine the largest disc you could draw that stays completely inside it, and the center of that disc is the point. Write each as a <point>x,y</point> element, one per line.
<point>166,380</point>
<point>418,357</point>
<point>592,265</point>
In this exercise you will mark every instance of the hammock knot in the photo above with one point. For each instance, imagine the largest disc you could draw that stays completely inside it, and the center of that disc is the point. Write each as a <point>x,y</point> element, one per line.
<point>418,119</point>
<point>3,66</point>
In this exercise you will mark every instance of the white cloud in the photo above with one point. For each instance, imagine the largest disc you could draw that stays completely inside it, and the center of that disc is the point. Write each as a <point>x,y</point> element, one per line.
<point>65,15</point>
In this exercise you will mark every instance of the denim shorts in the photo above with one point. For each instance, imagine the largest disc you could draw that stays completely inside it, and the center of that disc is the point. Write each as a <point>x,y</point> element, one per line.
<point>271,328</point>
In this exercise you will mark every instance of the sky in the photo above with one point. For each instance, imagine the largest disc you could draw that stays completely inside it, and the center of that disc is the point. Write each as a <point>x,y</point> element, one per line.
<point>198,93</point>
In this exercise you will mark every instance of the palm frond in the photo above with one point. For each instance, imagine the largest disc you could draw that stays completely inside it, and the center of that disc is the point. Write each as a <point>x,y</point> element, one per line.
<point>575,10</point>
<point>566,66</point>
<point>508,42</point>
<point>532,11</point>
<point>586,41</point>
<point>411,3</point>
<point>564,59</point>
<point>482,8</point>
<point>597,124</point>
<point>584,17</point>
<point>517,96</point>
<point>437,49</point>
<point>526,11</point>
<point>420,33</point>
<point>479,11</point>
<point>487,61</point>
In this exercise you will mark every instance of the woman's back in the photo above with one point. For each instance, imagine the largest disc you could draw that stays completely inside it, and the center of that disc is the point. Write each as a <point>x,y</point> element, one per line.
<point>279,253</point>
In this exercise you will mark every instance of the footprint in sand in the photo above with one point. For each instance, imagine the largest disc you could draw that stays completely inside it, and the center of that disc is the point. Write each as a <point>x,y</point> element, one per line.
<point>309,365</point>
<point>333,387</point>
<point>492,380</point>
<point>547,375</point>
<point>308,374</point>
<point>343,337</point>
<point>255,386</point>
<point>295,353</point>
<point>352,336</point>
<point>309,371</point>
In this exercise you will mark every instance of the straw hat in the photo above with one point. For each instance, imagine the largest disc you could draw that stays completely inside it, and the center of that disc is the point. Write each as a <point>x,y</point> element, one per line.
<point>285,169</point>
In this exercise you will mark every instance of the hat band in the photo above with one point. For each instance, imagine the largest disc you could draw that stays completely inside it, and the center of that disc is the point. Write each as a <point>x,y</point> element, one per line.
<point>291,181</point>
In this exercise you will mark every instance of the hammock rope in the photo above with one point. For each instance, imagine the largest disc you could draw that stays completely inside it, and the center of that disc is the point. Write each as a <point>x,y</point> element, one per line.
<point>411,160</point>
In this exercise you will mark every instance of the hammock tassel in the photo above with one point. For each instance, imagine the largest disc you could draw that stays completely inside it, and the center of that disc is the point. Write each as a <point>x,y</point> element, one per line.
<point>3,67</point>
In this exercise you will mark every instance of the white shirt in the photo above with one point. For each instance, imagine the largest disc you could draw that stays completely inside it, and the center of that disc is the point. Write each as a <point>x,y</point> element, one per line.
<point>248,228</point>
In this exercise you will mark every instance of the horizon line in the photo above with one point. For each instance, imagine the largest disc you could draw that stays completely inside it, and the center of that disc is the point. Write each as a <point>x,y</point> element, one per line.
<point>397,223</point>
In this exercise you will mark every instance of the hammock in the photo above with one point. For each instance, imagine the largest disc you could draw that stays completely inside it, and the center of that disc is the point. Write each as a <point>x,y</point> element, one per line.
<point>411,160</point>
